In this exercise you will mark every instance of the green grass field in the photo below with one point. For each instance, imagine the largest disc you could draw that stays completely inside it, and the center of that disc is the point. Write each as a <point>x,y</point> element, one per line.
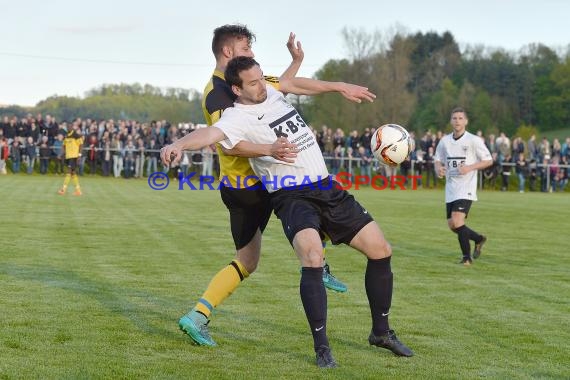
<point>92,287</point>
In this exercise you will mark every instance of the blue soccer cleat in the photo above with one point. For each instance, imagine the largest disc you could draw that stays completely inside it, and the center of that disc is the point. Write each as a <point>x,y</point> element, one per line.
<point>195,325</point>
<point>331,282</point>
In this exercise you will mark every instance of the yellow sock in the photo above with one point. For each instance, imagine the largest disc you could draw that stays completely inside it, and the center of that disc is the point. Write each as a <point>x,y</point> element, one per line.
<point>76,182</point>
<point>221,287</point>
<point>66,181</point>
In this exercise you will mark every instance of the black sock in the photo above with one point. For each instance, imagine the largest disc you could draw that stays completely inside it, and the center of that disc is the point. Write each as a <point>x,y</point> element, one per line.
<point>463,237</point>
<point>314,298</point>
<point>378,282</point>
<point>473,235</point>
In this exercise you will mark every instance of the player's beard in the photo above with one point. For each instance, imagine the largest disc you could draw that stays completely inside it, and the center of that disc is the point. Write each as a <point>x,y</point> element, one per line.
<point>258,98</point>
<point>261,97</point>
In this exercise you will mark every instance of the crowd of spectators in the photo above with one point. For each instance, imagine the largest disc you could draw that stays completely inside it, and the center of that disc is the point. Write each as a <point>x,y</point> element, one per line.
<point>542,165</point>
<point>131,149</point>
<point>116,148</point>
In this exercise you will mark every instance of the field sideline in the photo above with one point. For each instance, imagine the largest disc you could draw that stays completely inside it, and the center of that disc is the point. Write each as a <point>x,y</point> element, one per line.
<point>93,286</point>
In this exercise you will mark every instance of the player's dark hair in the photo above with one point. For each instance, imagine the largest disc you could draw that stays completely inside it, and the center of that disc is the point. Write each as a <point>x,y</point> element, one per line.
<point>235,66</point>
<point>225,33</point>
<point>459,109</point>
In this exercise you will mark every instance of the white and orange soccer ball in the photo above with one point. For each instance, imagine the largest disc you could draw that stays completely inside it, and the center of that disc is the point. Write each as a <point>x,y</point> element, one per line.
<point>391,144</point>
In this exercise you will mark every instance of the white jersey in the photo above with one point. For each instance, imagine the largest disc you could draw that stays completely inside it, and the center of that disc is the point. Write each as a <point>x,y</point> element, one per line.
<point>466,150</point>
<point>262,124</point>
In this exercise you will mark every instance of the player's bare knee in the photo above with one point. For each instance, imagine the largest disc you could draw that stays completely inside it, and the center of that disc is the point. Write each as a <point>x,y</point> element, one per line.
<point>388,249</point>
<point>315,257</point>
<point>308,247</point>
<point>456,223</point>
<point>311,257</point>
<point>249,259</point>
<point>371,242</point>
<point>251,267</point>
<point>383,250</point>
<point>377,249</point>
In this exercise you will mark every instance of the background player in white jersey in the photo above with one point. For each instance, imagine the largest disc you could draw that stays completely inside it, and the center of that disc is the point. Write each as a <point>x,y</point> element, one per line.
<point>458,157</point>
<point>303,196</point>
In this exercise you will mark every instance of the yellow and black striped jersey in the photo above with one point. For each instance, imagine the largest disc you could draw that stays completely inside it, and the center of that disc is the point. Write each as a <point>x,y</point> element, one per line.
<point>73,142</point>
<point>218,96</point>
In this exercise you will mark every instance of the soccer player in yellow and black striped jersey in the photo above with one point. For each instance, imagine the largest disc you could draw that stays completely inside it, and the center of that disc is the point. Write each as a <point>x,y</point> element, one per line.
<point>250,210</point>
<point>72,145</point>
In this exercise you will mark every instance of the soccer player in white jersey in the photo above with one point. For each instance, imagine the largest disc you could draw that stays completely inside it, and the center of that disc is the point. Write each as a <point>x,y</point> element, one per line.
<point>303,196</point>
<point>458,157</point>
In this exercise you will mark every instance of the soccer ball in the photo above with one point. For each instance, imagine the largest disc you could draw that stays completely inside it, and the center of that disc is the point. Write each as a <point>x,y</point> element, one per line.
<point>391,144</point>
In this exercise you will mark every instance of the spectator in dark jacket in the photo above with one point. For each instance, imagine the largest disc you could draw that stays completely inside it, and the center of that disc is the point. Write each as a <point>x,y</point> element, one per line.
<point>506,170</point>
<point>16,155</point>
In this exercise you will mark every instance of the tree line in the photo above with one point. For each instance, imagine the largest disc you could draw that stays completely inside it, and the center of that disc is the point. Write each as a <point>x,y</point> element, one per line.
<point>418,78</point>
<point>143,103</point>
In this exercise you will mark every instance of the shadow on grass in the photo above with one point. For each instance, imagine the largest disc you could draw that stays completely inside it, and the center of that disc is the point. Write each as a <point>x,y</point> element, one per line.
<point>117,300</point>
<point>150,313</point>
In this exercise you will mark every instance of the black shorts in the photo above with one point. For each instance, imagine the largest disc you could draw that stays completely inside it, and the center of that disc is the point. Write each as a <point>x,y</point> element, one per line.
<point>71,163</point>
<point>249,209</point>
<point>459,205</point>
<point>324,207</point>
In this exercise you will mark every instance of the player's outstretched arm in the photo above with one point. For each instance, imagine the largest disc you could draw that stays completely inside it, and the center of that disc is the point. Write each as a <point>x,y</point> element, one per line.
<point>307,86</point>
<point>297,54</point>
<point>193,141</point>
<point>281,150</point>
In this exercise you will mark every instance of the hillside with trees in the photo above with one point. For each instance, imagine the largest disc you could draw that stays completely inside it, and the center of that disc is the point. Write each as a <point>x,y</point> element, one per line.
<point>419,78</point>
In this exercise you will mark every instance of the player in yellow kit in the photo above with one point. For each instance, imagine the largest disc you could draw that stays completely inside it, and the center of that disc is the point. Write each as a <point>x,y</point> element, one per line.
<point>72,145</point>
